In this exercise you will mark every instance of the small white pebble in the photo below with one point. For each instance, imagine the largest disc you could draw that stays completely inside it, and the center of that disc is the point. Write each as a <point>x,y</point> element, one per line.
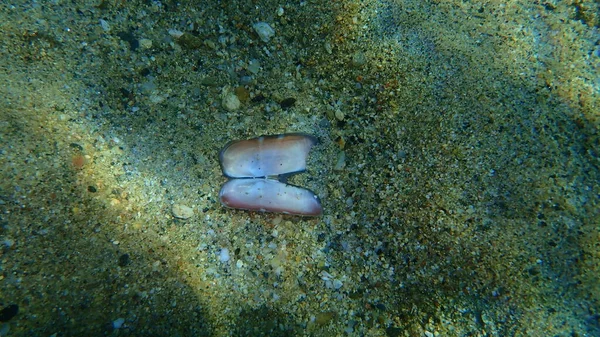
<point>105,26</point>
<point>239,264</point>
<point>175,33</point>
<point>224,255</point>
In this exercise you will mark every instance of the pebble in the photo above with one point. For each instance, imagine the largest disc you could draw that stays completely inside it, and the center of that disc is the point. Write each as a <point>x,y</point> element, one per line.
<point>7,313</point>
<point>224,255</point>
<point>231,102</point>
<point>175,33</point>
<point>145,43</point>
<point>264,31</point>
<point>287,103</point>
<point>4,329</point>
<point>182,211</point>
<point>118,323</point>
<point>359,59</point>
<point>105,26</point>
<point>340,162</point>
<point>254,66</point>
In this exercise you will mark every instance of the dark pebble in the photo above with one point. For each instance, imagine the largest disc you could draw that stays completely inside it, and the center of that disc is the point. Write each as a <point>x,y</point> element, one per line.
<point>287,103</point>
<point>129,38</point>
<point>76,146</point>
<point>393,332</point>
<point>123,260</point>
<point>92,189</point>
<point>258,98</point>
<point>9,312</point>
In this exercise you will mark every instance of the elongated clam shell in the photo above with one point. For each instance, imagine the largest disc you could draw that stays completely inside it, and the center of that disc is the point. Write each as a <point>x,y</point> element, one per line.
<point>266,156</point>
<point>269,195</point>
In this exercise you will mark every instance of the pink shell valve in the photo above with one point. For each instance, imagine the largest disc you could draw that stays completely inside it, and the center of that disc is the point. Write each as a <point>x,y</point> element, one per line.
<point>266,156</point>
<point>256,164</point>
<point>269,195</point>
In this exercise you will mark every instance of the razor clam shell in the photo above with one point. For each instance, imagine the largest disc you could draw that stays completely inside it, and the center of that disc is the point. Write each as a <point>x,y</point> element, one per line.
<point>269,195</point>
<point>266,156</point>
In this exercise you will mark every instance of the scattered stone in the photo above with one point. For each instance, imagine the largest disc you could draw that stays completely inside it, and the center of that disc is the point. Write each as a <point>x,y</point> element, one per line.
<point>123,260</point>
<point>224,255</point>
<point>118,323</point>
<point>231,102</point>
<point>175,33</point>
<point>359,59</point>
<point>130,39</point>
<point>324,317</point>
<point>242,94</point>
<point>341,161</point>
<point>254,66</point>
<point>145,43</point>
<point>5,329</point>
<point>189,41</point>
<point>339,115</point>
<point>264,31</point>
<point>105,26</point>
<point>182,211</point>
<point>9,312</point>
<point>287,103</point>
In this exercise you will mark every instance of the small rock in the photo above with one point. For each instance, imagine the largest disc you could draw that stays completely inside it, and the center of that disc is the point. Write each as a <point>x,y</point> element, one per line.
<point>264,31</point>
<point>254,66</point>
<point>118,323</point>
<point>145,43</point>
<point>287,103</point>
<point>105,26</point>
<point>123,260</point>
<point>224,255</point>
<point>175,33</point>
<point>231,102</point>
<point>340,162</point>
<point>7,313</point>
<point>182,211</point>
<point>359,59</point>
